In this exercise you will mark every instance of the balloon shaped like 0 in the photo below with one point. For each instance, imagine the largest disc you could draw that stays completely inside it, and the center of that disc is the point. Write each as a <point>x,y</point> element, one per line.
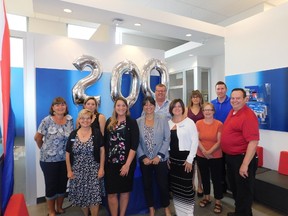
<point>79,88</point>
<point>116,81</point>
<point>153,64</point>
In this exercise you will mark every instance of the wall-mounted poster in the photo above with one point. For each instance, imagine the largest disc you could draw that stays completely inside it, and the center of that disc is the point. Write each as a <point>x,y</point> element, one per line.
<point>267,96</point>
<point>259,100</point>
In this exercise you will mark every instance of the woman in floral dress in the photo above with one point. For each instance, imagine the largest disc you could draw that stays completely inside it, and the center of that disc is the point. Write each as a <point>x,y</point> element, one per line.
<point>121,142</point>
<point>85,165</point>
<point>51,139</point>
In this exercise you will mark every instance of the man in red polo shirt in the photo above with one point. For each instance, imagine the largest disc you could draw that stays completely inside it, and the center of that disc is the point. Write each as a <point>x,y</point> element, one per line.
<point>239,140</point>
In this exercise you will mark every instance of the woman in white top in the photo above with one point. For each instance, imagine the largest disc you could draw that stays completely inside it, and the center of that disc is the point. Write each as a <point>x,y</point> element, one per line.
<point>183,147</point>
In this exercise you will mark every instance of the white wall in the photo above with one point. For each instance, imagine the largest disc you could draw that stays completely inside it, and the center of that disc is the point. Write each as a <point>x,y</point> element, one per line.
<point>217,73</point>
<point>183,64</point>
<point>258,43</point>
<point>215,63</point>
<point>58,53</point>
<point>255,44</point>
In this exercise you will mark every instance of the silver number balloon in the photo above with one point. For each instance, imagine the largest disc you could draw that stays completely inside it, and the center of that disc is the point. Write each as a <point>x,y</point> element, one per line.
<point>116,81</point>
<point>79,88</point>
<point>153,64</point>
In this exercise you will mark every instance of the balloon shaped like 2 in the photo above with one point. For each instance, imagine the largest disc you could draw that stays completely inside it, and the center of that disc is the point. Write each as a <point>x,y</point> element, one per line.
<point>78,91</point>
<point>121,68</point>
<point>149,66</point>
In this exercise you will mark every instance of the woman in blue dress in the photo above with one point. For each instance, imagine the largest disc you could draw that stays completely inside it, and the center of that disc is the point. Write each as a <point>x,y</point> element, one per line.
<point>85,165</point>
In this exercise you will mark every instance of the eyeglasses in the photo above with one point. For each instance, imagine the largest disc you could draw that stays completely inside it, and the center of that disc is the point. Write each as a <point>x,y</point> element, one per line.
<point>208,110</point>
<point>87,119</point>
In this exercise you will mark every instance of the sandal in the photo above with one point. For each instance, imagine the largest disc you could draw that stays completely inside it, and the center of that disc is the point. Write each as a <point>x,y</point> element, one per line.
<point>60,212</point>
<point>217,208</point>
<point>203,203</point>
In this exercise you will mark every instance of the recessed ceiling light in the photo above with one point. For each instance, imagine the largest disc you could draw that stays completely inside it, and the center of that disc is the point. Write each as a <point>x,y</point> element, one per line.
<point>66,10</point>
<point>137,24</point>
<point>191,55</point>
<point>188,35</point>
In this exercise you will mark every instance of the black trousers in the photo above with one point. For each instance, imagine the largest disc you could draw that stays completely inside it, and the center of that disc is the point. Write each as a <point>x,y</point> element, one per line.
<point>242,188</point>
<point>161,175</point>
<point>55,176</point>
<point>211,169</point>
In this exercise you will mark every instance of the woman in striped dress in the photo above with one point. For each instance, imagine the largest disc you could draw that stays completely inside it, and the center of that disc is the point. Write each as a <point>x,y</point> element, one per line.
<point>183,147</point>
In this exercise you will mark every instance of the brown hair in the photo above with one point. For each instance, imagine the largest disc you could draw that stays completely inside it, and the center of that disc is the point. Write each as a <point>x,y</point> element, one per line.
<point>58,100</point>
<point>150,99</point>
<point>221,83</point>
<point>113,120</point>
<point>198,94</point>
<point>94,99</point>
<point>173,103</point>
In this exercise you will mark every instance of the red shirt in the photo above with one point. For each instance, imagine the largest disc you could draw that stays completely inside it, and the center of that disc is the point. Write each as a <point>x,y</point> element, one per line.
<point>238,130</point>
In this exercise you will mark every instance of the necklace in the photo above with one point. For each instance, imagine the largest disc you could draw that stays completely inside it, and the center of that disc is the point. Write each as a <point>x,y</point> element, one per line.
<point>84,134</point>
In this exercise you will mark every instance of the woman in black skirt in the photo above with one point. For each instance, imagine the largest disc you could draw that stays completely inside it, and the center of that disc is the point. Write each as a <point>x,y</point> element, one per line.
<point>121,142</point>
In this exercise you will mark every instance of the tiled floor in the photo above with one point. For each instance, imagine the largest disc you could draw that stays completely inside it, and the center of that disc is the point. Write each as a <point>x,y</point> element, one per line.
<point>258,210</point>
<point>41,209</point>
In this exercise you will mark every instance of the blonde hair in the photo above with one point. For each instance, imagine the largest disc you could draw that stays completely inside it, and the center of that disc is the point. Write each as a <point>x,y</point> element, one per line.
<point>208,104</point>
<point>85,112</point>
<point>113,120</point>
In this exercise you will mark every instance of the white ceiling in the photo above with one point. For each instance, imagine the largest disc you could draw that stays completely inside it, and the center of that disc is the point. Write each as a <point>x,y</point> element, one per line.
<point>165,20</point>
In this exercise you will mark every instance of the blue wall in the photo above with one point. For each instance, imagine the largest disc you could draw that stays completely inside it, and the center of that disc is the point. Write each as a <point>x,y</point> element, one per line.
<point>275,96</point>
<point>51,83</point>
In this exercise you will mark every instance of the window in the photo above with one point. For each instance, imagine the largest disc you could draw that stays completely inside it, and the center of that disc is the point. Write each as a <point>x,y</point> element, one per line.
<point>18,23</point>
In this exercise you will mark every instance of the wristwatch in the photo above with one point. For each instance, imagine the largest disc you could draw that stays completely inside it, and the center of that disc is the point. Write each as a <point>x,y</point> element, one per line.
<point>159,156</point>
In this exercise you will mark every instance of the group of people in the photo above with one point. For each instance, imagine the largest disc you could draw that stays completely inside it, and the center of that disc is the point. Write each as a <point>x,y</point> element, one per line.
<point>170,141</point>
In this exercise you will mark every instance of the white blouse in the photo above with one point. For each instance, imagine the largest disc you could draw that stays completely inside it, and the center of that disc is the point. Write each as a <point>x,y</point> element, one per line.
<point>188,137</point>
